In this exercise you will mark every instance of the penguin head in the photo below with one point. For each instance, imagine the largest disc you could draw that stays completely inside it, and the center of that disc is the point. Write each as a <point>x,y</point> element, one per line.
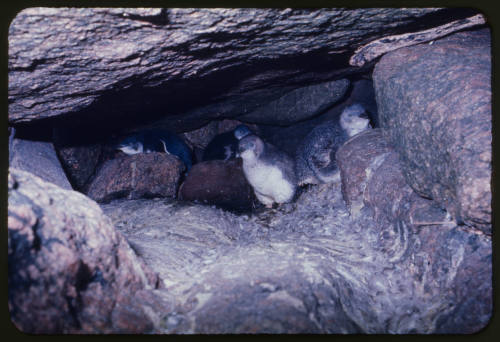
<point>250,147</point>
<point>241,131</point>
<point>354,119</point>
<point>130,145</point>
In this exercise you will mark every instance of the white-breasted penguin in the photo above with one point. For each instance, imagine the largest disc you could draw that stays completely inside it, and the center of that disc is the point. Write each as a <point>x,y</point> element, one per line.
<point>157,140</point>
<point>269,171</point>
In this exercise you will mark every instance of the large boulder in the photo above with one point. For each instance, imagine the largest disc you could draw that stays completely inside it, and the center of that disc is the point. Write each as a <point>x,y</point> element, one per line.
<point>140,175</point>
<point>435,102</point>
<point>69,270</point>
<point>135,65</point>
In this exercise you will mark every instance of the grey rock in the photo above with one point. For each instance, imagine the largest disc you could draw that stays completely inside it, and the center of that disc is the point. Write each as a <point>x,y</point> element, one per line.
<point>435,101</point>
<point>135,176</point>
<point>38,158</point>
<point>299,104</point>
<point>69,270</point>
<point>155,64</point>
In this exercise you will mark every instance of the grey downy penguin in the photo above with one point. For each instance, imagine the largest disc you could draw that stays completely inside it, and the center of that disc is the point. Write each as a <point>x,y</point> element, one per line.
<point>315,157</point>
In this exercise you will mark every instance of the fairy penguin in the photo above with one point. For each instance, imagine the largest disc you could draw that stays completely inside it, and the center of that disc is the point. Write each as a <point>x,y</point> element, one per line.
<point>225,145</point>
<point>315,156</point>
<point>269,171</point>
<point>157,140</point>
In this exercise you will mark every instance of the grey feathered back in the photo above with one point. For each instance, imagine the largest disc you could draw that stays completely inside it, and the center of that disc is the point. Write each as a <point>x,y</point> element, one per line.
<point>315,156</point>
<point>315,160</point>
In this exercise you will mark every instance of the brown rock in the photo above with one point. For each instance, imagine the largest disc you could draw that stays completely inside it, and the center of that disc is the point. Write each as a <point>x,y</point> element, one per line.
<point>435,103</point>
<point>135,176</point>
<point>218,182</point>
<point>69,270</point>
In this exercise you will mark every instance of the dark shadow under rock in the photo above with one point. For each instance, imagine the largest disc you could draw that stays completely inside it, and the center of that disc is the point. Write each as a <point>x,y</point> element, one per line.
<point>135,176</point>
<point>299,104</point>
<point>80,163</point>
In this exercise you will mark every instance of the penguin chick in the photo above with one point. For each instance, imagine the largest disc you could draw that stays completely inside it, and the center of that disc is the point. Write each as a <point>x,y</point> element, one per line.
<point>269,171</point>
<point>354,119</point>
<point>315,157</point>
<point>225,145</point>
<point>157,140</point>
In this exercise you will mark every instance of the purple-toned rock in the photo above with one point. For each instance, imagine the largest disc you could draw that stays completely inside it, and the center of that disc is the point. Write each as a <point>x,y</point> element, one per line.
<point>38,158</point>
<point>218,182</point>
<point>435,102</point>
<point>69,270</point>
<point>135,176</point>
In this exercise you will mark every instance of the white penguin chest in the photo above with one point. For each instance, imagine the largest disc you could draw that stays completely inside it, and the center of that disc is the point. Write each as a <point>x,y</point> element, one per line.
<point>268,180</point>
